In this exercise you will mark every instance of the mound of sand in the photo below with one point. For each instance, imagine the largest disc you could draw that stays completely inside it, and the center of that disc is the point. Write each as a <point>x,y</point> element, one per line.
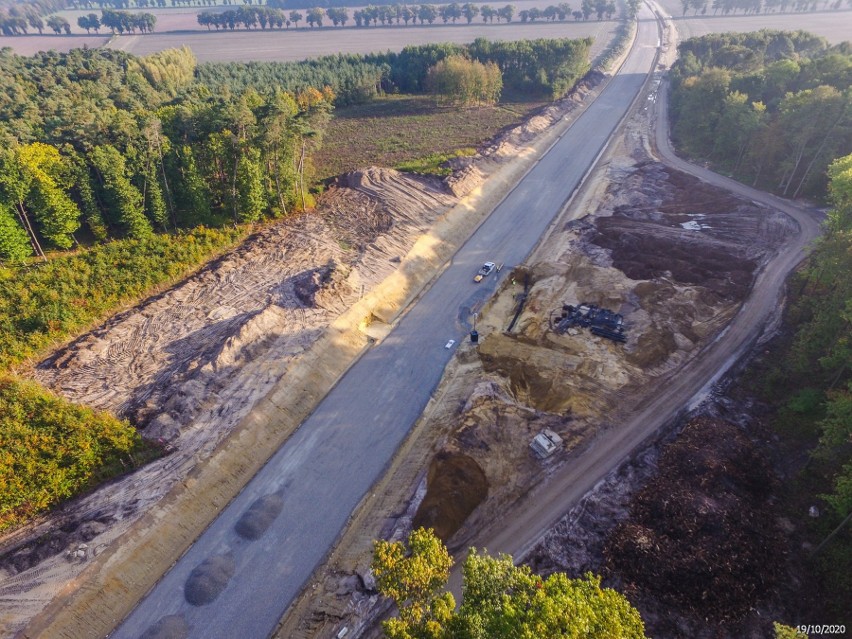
<point>259,517</point>
<point>169,627</point>
<point>208,579</point>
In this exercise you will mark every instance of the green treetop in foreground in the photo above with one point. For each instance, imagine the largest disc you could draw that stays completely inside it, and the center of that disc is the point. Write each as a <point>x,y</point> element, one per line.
<point>500,600</point>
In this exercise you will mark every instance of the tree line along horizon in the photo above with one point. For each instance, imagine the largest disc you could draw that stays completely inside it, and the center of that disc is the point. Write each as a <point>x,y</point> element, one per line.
<point>274,17</point>
<point>279,14</point>
<point>14,8</point>
<point>399,14</point>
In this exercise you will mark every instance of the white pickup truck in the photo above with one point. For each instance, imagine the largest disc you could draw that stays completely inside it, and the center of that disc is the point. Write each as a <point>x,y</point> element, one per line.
<point>484,272</point>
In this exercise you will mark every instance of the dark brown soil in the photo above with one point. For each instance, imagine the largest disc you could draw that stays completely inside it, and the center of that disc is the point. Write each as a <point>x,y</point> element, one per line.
<point>702,541</point>
<point>716,249</point>
<point>455,485</point>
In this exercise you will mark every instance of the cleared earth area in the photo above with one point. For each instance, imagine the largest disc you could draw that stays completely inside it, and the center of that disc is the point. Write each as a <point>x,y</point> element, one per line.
<point>294,302</point>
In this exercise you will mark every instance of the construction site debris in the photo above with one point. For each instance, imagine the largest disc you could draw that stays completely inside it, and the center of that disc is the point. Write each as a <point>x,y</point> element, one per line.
<point>702,539</point>
<point>495,398</point>
<point>546,443</point>
<point>520,298</point>
<point>599,321</point>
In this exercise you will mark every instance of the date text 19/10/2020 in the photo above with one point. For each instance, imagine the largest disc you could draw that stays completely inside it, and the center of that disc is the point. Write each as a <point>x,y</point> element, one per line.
<point>821,629</point>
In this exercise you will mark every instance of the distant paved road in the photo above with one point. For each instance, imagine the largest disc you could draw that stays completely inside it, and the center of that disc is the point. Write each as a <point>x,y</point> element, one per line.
<point>336,455</point>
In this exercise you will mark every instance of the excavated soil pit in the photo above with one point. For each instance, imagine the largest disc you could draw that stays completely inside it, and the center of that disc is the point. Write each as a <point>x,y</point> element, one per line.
<point>456,485</point>
<point>537,376</point>
<point>694,235</point>
<point>693,250</point>
<point>702,539</point>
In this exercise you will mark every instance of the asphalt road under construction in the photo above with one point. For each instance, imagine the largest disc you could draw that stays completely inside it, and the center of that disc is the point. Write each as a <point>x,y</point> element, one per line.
<point>320,474</point>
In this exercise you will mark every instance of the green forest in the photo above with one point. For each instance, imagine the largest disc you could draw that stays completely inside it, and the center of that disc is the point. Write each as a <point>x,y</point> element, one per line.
<point>770,108</point>
<point>542,67</point>
<point>120,175</point>
<point>774,109</point>
<point>501,600</point>
<point>102,145</point>
<point>810,384</point>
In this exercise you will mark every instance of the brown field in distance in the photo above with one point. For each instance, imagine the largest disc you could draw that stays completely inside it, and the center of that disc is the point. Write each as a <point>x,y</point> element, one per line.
<point>32,44</point>
<point>299,44</point>
<point>178,27</point>
<point>834,26</point>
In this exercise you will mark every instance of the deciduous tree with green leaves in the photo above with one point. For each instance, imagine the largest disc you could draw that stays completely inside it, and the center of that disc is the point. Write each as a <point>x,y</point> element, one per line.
<point>458,80</point>
<point>499,600</point>
<point>14,243</point>
<point>786,632</point>
<point>125,199</point>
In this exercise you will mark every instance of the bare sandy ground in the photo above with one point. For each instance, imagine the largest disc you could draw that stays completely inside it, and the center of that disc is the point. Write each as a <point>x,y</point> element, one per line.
<point>641,239</point>
<point>251,315</point>
<point>299,44</point>
<point>188,365</point>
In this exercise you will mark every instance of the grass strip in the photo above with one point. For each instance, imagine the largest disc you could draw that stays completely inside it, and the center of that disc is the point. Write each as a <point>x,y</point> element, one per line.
<point>46,303</point>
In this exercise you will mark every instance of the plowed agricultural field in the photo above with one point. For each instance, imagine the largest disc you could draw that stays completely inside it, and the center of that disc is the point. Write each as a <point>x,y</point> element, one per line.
<point>835,26</point>
<point>178,27</point>
<point>299,44</point>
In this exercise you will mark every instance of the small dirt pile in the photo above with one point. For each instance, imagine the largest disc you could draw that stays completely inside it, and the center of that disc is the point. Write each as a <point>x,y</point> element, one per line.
<point>702,539</point>
<point>169,627</point>
<point>208,579</point>
<point>259,517</point>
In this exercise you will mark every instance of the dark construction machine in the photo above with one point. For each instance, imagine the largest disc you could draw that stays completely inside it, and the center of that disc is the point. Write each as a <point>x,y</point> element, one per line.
<point>599,321</point>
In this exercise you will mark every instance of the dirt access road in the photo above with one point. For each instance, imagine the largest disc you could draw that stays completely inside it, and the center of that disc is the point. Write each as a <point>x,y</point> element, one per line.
<point>312,484</point>
<point>523,527</point>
